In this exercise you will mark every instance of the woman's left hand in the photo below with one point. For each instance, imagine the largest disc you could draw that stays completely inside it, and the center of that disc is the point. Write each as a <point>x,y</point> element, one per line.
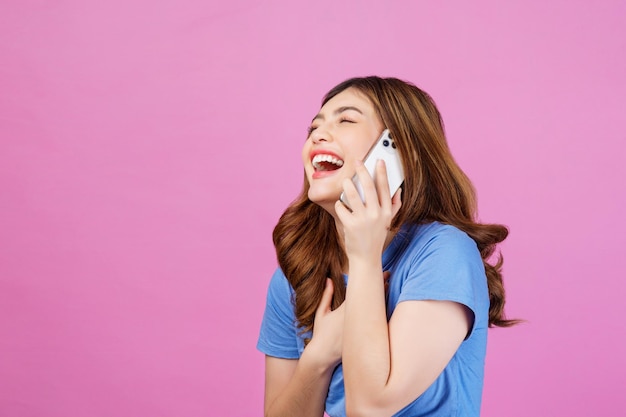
<point>366,227</point>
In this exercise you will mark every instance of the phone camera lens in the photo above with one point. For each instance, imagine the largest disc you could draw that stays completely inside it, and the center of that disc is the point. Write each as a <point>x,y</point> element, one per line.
<point>385,142</point>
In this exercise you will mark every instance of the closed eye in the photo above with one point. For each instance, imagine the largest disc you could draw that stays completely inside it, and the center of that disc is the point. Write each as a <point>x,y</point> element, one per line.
<point>312,128</point>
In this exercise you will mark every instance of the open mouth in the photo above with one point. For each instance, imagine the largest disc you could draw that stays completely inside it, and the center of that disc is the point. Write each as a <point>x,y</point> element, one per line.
<point>325,162</point>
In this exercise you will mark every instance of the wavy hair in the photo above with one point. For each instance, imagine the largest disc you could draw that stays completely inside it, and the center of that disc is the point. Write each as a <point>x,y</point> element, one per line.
<point>435,189</point>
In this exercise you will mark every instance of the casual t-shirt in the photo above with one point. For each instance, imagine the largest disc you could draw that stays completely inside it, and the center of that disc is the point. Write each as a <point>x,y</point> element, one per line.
<point>427,262</point>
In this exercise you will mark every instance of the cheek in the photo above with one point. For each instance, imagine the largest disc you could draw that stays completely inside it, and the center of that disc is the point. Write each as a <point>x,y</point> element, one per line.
<point>363,150</point>
<point>366,140</point>
<point>305,153</point>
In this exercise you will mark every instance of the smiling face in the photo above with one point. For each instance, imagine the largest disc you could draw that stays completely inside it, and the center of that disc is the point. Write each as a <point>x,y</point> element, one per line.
<point>342,132</point>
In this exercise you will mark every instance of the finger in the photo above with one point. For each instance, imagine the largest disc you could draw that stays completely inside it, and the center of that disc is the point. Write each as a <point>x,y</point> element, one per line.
<point>382,185</point>
<point>367,183</point>
<point>327,298</point>
<point>396,203</point>
<point>351,195</point>
<point>342,211</point>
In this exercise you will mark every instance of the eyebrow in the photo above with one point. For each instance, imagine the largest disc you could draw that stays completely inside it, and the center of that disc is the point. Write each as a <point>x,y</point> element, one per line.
<point>338,111</point>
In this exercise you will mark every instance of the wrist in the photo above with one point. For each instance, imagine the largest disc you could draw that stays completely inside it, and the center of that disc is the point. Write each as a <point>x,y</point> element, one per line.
<point>364,265</point>
<point>316,360</point>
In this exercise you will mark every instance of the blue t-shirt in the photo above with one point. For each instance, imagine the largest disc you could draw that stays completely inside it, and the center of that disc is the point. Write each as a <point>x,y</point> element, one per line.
<point>426,262</point>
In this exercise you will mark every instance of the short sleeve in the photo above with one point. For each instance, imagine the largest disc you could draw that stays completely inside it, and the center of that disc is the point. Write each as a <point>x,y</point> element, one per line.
<point>278,335</point>
<point>448,267</point>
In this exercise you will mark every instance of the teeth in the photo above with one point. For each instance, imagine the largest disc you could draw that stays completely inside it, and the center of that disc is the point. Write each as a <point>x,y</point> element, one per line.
<point>325,158</point>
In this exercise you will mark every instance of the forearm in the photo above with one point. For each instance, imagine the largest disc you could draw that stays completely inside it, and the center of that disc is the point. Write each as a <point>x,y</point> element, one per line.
<point>366,349</point>
<point>305,394</point>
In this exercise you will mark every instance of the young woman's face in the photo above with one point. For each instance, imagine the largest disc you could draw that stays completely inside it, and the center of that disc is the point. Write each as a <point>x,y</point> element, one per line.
<point>342,132</point>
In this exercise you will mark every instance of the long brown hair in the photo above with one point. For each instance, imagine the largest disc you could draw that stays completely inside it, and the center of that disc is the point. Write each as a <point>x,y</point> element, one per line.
<point>435,189</point>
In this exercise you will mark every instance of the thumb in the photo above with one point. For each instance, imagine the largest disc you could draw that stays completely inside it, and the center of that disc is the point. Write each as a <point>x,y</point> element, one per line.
<point>327,298</point>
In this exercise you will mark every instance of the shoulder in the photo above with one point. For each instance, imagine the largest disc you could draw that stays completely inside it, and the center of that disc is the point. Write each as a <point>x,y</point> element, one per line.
<point>278,333</point>
<point>443,231</point>
<point>279,289</point>
<point>437,239</point>
<point>441,262</point>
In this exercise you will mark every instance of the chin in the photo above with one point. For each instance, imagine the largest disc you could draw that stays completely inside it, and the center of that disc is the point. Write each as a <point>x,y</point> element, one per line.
<point>323,198</point>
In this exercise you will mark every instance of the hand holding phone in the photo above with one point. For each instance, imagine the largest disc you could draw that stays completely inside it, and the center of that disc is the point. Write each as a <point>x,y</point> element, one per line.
<point>384,149</point>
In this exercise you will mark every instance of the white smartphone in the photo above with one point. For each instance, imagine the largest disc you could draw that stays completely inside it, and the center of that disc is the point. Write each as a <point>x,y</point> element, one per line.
<point>384,149</point>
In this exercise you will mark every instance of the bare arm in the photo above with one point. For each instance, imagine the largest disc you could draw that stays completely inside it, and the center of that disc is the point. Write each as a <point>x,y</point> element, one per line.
<point>295,387</point>
<point>387,365</point>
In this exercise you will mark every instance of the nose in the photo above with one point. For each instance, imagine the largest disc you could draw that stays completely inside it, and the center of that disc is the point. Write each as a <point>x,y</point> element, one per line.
<point>320,135</point>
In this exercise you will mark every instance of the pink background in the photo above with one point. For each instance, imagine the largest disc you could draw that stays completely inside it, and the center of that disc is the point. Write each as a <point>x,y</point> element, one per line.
<point>148,148</point>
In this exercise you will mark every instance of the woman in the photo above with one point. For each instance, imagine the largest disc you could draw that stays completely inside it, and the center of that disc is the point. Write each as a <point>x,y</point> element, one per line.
<point>381,309</point>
